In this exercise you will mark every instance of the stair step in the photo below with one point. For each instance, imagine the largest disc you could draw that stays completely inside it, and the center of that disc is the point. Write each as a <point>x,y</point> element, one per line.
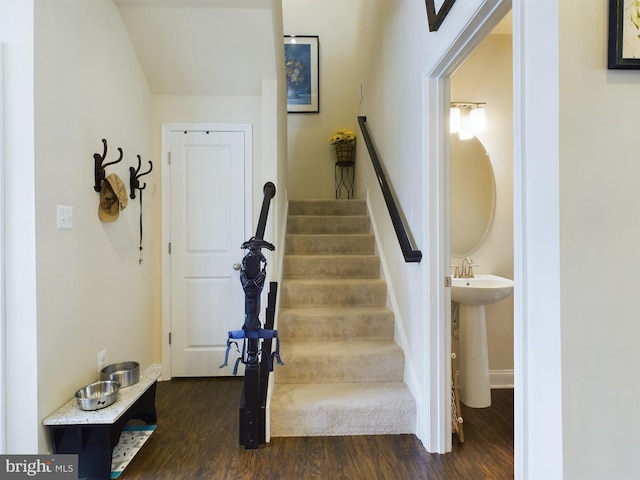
<point>297,244</point>
<point>336,362</point>
<point>326,224</point>
<point>331,266</point>
<point>343,372</point>
<point>332,293</point>
<point>334,323</point>
<point>327,207</point>
<point>342,409</point>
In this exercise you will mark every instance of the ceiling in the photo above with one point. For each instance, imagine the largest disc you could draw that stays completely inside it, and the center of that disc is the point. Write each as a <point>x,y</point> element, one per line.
<point>202,47</point>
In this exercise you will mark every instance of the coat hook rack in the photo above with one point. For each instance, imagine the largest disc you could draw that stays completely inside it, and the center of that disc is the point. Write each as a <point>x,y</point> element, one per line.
<point>134,184</point>
<point>134,177</point>
<point>99,166</point>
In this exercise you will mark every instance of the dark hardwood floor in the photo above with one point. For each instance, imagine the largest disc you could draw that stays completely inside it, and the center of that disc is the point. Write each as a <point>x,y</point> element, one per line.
<point>197,438</point>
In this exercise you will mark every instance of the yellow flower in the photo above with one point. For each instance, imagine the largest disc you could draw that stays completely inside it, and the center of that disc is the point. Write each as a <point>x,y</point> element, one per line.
<point>343,135</point>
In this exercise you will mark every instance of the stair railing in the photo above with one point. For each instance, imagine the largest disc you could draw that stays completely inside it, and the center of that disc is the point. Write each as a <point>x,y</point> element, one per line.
<point>410,255</point>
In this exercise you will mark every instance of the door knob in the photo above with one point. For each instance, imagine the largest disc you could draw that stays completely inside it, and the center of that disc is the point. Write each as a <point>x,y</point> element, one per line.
<point>237,266</point>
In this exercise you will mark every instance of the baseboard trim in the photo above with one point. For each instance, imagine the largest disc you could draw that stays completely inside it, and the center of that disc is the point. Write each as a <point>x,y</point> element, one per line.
<point>501,378</point>
<point>498,378</point>
<point>155,370</point>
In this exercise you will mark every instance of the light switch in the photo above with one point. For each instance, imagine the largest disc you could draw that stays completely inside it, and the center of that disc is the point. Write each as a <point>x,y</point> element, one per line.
<point>65,217</point>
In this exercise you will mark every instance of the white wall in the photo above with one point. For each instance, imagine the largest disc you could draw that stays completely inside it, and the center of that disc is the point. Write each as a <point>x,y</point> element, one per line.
<point>599,237</point>
<point>92,292</point>
<point>338,24</point>
<point>486,76</point>
<point>20,363</point>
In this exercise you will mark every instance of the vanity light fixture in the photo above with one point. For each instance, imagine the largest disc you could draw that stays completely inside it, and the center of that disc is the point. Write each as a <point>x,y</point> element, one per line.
<point>467,125</point>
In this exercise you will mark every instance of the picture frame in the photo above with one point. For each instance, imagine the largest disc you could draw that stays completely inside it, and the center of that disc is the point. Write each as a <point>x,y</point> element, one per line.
<point>301,55</point>
<point>437,10</point>
<point>624,35</point>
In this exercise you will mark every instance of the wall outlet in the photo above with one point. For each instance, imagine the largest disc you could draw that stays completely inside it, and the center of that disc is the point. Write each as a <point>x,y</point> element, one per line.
<point>102,359</point>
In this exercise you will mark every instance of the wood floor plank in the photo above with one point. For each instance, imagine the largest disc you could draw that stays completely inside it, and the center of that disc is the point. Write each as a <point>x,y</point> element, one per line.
<point>197,438</point>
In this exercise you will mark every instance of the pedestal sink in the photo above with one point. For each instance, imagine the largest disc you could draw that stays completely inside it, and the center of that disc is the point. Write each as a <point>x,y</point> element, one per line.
<point>473,294</point>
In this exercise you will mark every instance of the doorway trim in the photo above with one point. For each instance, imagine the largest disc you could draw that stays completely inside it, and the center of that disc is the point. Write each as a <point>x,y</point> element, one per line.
<point>436,107</point>
<point>3,319</point>
<point>167,129</point>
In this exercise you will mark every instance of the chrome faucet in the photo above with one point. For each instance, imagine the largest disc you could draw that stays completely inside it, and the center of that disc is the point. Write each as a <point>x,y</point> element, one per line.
<point>466,268</point>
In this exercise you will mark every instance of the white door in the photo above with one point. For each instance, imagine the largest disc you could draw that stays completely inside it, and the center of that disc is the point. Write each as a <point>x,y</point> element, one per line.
<point>207,230</point>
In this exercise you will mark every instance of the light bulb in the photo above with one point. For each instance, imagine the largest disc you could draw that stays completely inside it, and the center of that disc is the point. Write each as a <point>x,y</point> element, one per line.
<point>477,120</point>
<point>454,119</point>
<point>465,128</point>
<point>465,134</point>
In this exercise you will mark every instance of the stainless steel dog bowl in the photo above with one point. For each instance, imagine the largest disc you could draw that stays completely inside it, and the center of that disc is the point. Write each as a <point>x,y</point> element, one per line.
<point>97,395</point>
<point>125,373</point>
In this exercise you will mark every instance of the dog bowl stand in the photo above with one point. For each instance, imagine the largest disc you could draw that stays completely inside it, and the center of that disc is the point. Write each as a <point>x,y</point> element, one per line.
<point>92,435</point>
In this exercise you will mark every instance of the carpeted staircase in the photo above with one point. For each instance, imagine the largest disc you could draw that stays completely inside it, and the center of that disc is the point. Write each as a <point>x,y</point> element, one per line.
<point>343,372</point>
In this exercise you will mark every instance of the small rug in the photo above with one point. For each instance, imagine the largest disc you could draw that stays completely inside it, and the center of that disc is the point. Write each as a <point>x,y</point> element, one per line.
<point>131,440</point>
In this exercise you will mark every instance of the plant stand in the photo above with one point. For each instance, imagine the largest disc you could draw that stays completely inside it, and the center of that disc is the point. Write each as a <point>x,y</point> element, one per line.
<point>345,179</point>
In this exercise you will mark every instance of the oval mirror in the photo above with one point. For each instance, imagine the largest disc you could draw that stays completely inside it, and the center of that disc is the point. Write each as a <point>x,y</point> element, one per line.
<point>472,194</point>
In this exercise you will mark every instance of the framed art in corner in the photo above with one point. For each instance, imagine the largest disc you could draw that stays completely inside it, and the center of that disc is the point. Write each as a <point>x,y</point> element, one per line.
<point>301,71</point>
<point>624,34</point>
<point>436,12</point>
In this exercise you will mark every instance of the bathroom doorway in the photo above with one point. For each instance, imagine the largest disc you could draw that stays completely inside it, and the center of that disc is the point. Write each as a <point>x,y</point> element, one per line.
<point>437,104</point>
<point>481,201</point>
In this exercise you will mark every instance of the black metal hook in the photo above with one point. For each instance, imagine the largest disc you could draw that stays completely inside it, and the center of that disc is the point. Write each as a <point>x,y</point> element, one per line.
<point>99,173</point>
<point>134,177</point>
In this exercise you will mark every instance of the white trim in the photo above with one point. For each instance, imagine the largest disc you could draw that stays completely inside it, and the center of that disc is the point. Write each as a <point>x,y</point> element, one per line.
<point>501,379</point>
<point>438,306</point>
<point>167,129</point>
<point>400,336</point>
<point>538,421</point>
<point>3,316</point>
<point>519,237</point>
<point>282,234</point>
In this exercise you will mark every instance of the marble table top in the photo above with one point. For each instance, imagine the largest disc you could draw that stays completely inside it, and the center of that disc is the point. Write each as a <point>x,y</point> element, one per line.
<point>71,413</point>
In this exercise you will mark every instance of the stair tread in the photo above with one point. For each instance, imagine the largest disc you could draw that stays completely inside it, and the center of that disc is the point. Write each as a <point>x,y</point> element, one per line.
<point>340,348</point>
<point>309,324</point>
<point>316,235</point>
<point>325,311</point>
<point>342,409</point>
<point>325,216</point>
<point>328,207</point>
<point>336,393</point>
<point>334,281</point>
<point>328,256</point>
<point>340,361</point>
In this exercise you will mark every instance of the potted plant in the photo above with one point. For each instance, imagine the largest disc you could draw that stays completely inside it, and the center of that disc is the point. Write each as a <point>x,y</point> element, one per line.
<point>344,142</point>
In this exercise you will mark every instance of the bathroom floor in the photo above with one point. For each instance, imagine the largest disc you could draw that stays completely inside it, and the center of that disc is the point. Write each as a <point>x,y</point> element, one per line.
<point>197,438</point>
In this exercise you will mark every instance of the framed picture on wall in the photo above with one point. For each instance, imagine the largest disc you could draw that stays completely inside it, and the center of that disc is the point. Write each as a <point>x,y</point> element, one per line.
<point>301,67</point>
<point>624,34</point>
<point>436,12</point>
